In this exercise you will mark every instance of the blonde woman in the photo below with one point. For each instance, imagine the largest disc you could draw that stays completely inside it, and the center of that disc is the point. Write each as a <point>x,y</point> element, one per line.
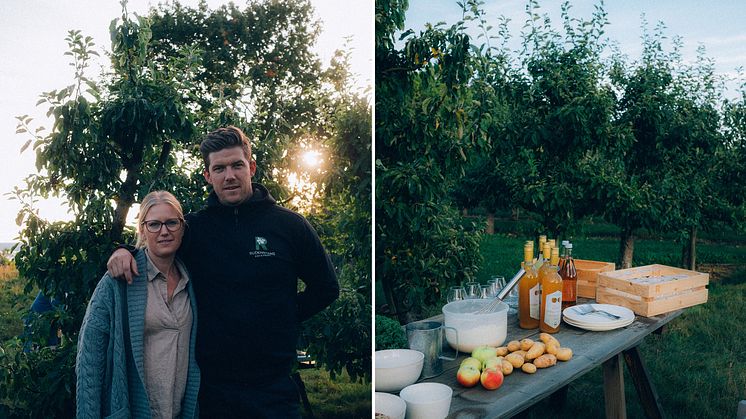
<point>136,345</point>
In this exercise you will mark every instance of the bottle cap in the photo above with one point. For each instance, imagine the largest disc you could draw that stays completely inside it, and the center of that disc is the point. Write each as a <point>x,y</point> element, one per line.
<point>555,256</point>
<point>528,252</point>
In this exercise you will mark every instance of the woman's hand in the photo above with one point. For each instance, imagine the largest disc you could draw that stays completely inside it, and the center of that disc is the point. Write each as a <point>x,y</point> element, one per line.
<point>121,264</point>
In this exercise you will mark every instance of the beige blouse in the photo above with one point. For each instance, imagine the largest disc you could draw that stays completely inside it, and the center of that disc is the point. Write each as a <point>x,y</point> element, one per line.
<point>168,326</point>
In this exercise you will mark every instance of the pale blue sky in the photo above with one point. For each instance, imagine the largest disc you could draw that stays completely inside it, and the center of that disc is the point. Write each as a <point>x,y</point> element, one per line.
<point>32,61</point>
<point>719,25</point>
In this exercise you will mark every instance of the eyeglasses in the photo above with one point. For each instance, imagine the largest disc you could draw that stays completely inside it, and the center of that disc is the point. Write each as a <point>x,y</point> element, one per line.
<point>154,226</point>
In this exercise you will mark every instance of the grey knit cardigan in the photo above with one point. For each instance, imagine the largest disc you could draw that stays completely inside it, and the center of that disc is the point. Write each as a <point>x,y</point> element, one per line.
<point>109,364</point>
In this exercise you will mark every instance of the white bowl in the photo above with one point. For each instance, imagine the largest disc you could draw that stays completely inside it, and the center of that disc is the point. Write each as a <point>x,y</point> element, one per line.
<point>397,368</point>
<point>390,405</point>
<point>472,330</point>
<point>427,400</point>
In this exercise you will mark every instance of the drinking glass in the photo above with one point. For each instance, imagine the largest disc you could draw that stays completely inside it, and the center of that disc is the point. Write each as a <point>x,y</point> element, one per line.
<point>456,293</point>
<point>493,285</point>
<point>499,282</point>
<point>473,290</point>
<point>485,291</point>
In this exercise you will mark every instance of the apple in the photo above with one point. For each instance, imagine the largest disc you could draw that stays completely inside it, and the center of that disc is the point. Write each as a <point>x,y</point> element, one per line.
<point>483,353</point>
<point>494,363</point>
<point>473,362</point>
<point>467,376</point>
<point>491,379</point>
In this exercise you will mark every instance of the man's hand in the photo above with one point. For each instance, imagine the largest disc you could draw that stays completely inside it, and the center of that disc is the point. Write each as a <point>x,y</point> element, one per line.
<point>121,264</point>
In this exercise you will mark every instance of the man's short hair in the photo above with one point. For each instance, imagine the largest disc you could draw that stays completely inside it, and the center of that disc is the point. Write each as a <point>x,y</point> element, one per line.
<point>222,138</point>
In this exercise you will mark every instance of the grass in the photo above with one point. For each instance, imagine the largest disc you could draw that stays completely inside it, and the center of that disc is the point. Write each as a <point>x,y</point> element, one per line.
<point>698,366</point>
<point>339,398</point>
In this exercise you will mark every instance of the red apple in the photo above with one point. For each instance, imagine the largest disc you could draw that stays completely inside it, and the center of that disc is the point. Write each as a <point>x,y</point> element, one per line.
<point>467,376</point>
<point>491,379</point>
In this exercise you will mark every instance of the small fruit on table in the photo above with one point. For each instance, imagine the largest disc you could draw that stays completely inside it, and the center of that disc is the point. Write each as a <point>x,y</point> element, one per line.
<point>491,379</point>
<point>468,376</point>
<point>494,363</point>
<point>483,353</point>
<point>472,362</point>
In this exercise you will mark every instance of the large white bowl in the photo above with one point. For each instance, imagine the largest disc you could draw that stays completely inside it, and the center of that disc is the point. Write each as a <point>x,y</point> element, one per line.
<point>397,368</point>
<point>390,405</point>
<point>474,330</point>
<point>427,400</point>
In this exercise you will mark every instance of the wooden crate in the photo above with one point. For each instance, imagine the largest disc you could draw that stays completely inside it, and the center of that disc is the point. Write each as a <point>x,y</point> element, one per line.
<point>653,289</point>
<point>588,271</point>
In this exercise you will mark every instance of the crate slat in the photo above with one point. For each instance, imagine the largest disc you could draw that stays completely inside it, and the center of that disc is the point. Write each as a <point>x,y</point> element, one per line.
<point>653,289</point>
<point>588,271</point>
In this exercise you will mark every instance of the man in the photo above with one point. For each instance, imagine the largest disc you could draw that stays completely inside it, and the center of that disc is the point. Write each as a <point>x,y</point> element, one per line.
<point>245,254</point>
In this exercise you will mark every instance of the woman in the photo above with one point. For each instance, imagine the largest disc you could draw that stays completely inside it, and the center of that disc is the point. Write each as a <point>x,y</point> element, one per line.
<point>136,345</point>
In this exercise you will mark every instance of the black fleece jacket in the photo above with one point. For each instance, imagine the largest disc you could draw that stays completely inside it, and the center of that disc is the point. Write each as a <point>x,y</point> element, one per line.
<point>245,262</point>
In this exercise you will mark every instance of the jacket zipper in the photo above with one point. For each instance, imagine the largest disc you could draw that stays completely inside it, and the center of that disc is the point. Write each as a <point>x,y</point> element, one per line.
<point>235,214</point>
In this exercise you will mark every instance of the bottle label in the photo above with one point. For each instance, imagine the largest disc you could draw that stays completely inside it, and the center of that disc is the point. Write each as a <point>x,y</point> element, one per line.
<point>534,302</point>
<point>553,309</point>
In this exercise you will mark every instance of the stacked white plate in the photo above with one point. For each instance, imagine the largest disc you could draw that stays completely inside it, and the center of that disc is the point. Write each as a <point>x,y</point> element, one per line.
<point>598,322</point>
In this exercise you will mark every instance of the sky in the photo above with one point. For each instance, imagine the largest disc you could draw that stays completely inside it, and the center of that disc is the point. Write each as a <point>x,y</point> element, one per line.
<point>32,61</point>
<point>718,25</point>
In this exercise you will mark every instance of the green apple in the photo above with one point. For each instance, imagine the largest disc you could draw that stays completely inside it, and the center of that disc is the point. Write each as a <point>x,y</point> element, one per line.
<point>494,363</point>
<point>473,362</point>
<point>483,353</point>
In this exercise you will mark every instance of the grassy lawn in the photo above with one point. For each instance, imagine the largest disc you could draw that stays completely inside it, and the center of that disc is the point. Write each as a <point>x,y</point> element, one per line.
<point>698,365</point>
<point>340,398</point>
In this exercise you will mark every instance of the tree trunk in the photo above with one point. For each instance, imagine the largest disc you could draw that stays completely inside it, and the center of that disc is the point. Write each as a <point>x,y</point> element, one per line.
<point>490,223</point>
<point>693,248</point>
<point>626,248</point>
<point>124,203</point>
<point>396,307</point>
<point>689,250</point>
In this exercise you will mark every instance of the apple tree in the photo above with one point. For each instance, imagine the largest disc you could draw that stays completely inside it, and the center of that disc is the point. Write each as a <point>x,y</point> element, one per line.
<point>423,137</point>
<point>110,142</point>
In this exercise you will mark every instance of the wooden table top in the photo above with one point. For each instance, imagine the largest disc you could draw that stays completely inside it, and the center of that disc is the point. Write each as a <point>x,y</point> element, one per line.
<point>520,390</point>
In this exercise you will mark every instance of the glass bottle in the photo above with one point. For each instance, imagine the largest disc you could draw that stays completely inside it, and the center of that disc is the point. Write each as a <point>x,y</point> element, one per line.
<point>551,295</point>
<point>542,240</point>
<point>563,254</point>
<point>569,280</point>
<point>529,294</point>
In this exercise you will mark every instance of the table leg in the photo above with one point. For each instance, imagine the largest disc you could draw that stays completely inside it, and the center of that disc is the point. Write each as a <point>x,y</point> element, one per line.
<point>641,379</point>
<point>614,388</point>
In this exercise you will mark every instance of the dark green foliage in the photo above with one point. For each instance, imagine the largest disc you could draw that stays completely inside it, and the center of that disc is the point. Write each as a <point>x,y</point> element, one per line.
<point>389,334</point>
<point>423,137</point>
<point>339,337</point>
<point>257,71</point>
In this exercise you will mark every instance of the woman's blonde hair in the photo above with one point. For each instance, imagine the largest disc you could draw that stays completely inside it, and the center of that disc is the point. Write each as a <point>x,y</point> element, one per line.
<point>149,201</point>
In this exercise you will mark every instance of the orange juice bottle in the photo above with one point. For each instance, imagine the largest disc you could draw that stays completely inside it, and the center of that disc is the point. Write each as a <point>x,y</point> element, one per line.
<point>542,240</point>
<point>529,296</point>
<point>551,295</point>
<point>569,279</point>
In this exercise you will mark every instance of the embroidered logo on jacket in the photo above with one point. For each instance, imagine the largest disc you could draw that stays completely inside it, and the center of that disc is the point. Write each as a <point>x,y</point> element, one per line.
<point>260,246</point>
